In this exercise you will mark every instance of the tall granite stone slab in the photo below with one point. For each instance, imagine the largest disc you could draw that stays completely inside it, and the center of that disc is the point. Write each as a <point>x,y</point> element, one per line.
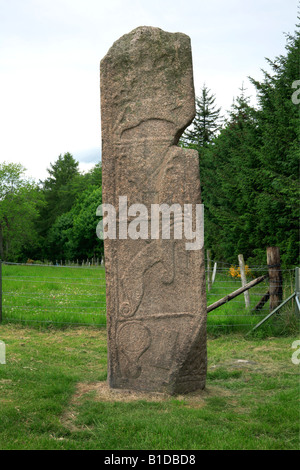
<point>156,302</point>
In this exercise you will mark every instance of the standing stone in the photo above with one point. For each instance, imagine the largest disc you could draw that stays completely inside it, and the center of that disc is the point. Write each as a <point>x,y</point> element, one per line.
<point>156,302</point>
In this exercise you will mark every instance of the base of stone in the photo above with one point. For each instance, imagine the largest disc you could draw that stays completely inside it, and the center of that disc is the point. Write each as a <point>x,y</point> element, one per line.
<point>188,387</point>
<point>102,392</point>
<point>182,387</point>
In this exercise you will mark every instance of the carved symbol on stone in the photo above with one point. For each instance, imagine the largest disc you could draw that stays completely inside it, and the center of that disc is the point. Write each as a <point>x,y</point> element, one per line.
<point>126,310</point>
<point>133,340</point>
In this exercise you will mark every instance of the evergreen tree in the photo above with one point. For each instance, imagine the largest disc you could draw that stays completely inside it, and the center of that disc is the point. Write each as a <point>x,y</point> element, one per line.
<point>205,124</point>
<point>71,225</point>
<point>229,183</point>
<point>250,174</point>
<point>278,201</point>
<point>61,172</point>
<point>60,190</point>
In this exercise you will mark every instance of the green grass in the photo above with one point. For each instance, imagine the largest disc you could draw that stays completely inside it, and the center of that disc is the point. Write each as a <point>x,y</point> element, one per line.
<point>247,405</point>
<point>57,296</point>
<point>234,317</point>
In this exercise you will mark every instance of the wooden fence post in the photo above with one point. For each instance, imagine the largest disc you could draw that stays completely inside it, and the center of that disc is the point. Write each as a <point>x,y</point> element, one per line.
<point>214,273</point>
<point>208,270</point>
<point>234,294</point>
<point>262,301</point>
<point>244,279</point>
<point>275,276</point>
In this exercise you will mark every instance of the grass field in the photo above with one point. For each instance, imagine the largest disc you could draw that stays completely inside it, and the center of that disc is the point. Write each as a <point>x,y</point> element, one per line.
<point>234,317</point>
<point>53,396</point>
<point>53,393</point>
<point>56,296</point>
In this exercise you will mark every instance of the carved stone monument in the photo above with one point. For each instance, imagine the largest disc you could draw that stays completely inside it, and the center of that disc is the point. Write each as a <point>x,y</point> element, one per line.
<point>156,301</point>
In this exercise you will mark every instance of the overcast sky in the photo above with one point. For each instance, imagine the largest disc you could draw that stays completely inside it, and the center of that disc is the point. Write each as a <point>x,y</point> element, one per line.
<point>50,52</point>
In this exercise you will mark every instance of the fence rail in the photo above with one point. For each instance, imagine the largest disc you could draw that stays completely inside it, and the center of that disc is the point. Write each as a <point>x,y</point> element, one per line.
<point>75,295</point>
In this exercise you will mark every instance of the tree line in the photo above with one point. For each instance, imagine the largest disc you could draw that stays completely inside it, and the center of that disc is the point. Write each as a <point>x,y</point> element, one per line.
<point>249,171</point>
<point>51,220</point>
<point>249,165</point>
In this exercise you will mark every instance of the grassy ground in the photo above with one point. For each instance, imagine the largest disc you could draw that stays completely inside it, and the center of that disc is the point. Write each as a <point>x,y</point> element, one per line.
<point>57,295</point>
<point>53,396</point>
<point>62,295</point>
<point>234,317</point>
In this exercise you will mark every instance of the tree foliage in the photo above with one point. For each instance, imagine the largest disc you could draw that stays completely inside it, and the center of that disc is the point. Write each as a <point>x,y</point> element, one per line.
<point>73,235</point>
<point>59,190</point>
<point>65,191</point>
<point>20,203</point>
<point>206,123</point>
<point>250,175</point>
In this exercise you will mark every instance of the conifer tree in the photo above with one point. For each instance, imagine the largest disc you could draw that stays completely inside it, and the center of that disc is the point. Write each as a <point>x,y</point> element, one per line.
<point>229,176</point>
<point>278,120</point>
<point>60,195</point>
<point>205,124</point>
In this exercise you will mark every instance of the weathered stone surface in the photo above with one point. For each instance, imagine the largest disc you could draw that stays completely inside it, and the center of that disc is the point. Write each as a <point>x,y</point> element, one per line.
<point>156,303</point>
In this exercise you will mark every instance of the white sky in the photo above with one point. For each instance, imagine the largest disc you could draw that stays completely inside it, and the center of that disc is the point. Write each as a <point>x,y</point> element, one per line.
<point>50,52</point>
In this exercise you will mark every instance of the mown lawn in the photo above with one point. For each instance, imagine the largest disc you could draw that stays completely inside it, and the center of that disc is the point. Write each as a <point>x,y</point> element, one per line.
<point>53,396</point>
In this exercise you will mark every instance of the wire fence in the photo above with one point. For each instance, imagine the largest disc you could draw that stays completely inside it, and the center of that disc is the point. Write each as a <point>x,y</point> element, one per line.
<point>53,294</point>
<point>244,313</point>
<point>75,295</point>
